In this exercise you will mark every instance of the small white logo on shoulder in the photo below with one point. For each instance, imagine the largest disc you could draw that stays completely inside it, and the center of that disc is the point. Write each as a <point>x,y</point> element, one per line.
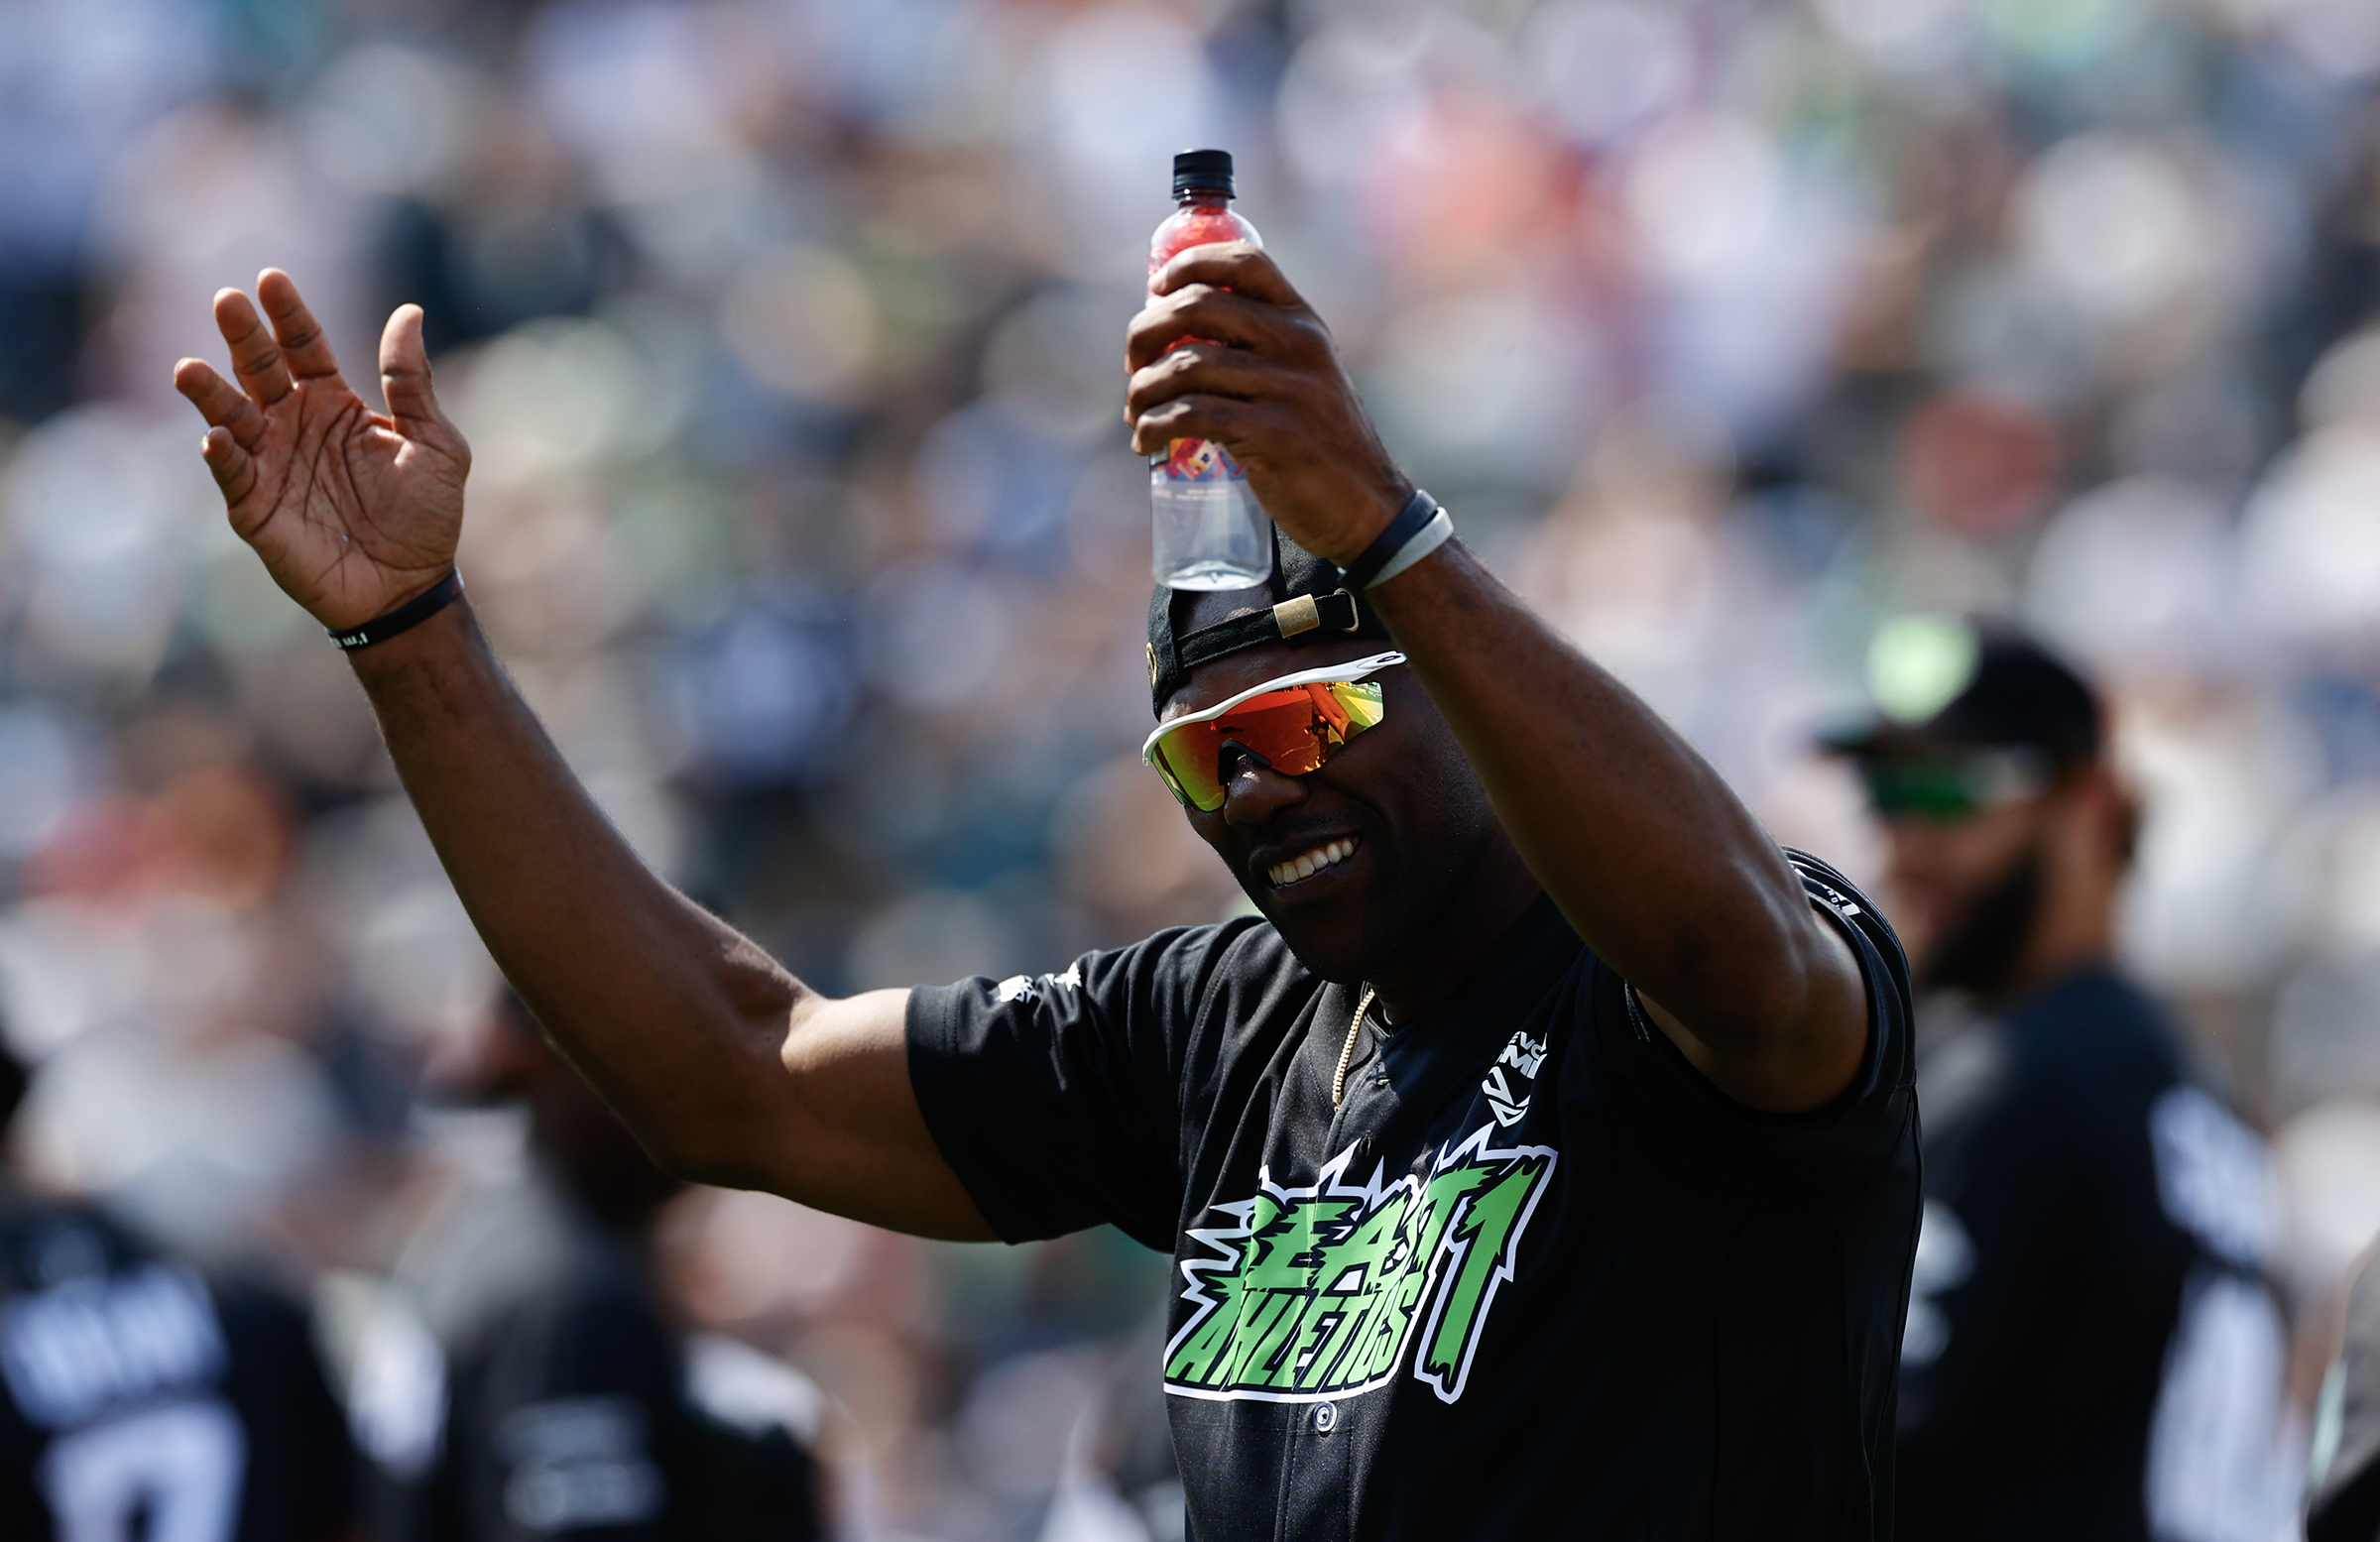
<point>1508,1097</point>
<point>1028,990</point>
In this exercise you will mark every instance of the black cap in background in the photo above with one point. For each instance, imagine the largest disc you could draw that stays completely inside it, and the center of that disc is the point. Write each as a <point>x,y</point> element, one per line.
<point>1949,682</point>
<point>1203,168</point>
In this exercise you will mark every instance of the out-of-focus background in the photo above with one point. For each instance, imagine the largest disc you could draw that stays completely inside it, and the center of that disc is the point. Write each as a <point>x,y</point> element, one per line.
<point>787,335</point>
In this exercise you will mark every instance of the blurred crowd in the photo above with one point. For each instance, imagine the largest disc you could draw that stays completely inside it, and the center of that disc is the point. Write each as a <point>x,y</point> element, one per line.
<point>788,336</point>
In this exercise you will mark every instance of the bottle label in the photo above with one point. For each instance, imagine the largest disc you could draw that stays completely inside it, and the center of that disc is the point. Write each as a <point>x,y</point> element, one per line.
<point>1201,460</point>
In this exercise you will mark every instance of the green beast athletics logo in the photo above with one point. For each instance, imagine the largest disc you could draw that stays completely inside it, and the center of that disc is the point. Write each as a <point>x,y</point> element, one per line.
<point>1318,1292</point>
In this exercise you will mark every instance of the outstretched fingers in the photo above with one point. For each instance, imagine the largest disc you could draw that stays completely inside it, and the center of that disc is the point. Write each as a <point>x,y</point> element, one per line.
<point>405,382</point>
<point>223,404</point>
<point>302,344</point>
<point>234,468</point>
<point>256,359</point>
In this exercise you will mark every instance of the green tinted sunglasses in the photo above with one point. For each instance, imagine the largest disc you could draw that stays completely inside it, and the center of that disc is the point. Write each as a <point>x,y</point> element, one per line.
<point>1946,789</point>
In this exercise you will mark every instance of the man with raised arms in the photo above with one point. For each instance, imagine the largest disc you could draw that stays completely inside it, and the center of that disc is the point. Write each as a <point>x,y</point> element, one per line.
<point>1542,1162</point>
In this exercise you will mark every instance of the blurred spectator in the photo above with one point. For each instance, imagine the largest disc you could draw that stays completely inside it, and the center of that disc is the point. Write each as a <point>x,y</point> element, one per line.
<point>525,1382</point>
<point>140,1400</point>
<point>2092,1349</point>
<point>1139,1466</point>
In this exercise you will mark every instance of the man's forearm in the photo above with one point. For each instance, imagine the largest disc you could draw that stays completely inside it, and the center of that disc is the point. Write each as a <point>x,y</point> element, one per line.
<point>724,1065</point>
<point>1649,854</point>
<point>674,1015</point>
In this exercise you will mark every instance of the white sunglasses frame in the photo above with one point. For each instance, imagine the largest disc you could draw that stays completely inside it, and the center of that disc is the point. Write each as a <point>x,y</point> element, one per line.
<point>1350,671</point>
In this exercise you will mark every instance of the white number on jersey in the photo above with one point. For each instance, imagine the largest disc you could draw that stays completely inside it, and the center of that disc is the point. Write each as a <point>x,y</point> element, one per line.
<point>169,1474</point>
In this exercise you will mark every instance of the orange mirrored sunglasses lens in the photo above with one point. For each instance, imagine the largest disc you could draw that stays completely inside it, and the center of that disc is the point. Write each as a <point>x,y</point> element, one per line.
<point>1293,730</point>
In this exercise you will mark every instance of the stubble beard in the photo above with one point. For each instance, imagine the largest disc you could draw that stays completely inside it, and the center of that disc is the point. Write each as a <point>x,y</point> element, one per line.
<point>1978,953</point>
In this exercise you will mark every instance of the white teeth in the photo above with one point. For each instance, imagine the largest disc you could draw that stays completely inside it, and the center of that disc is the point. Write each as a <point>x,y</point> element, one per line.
<point>1295,869</point>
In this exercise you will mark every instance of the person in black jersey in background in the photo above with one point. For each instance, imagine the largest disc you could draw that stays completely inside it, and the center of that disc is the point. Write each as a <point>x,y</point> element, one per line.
<point>1542,1161</point>
<point>140,1400</point>
<point>2092,1349</point>
<point>528,1383</point>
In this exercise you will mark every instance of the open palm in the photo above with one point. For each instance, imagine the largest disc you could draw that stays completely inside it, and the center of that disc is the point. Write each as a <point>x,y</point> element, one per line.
<point>354,511</point>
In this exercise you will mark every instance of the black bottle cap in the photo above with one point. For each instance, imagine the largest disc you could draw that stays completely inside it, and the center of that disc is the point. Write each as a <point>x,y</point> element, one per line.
<point>1204,170</point>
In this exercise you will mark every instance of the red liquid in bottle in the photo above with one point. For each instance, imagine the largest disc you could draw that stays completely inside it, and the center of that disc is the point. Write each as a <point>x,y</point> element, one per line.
<point>1198,223</point>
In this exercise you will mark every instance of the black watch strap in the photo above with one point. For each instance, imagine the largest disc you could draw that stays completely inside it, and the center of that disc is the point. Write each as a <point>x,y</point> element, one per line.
<point>405,617</point>
<point>1418,511</point>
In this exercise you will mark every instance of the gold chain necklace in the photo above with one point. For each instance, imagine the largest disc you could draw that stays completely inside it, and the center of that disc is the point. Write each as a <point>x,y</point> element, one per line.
<point>1347,1050</point>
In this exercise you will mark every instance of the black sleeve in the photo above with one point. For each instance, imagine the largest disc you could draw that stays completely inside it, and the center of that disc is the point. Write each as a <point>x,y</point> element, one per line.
<point>1866,1126</point>
<point>1056,1098</point>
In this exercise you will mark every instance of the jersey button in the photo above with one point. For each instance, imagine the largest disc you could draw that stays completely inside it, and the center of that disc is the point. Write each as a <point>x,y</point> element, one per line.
<point>1326,1418</point>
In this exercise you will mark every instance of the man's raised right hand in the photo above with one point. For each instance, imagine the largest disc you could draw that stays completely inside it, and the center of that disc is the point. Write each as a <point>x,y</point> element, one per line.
<point>354,511</point>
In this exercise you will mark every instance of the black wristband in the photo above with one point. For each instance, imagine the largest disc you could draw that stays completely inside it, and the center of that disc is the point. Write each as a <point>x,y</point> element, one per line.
<point>1418,511</point>
<point>405,617</point>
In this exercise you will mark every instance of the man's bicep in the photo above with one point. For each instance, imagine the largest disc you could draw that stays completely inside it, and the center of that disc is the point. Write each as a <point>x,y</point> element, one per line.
<point>1807,1062</point>
<point>855,1140</point>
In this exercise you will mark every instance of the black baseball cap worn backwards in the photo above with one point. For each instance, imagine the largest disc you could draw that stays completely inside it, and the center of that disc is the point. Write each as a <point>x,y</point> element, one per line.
<point>1956,682</point>
<point>1308,601</point>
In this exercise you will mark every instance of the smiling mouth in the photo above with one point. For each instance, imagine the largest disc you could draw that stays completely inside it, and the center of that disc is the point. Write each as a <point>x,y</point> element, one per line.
<point>1298,869</point>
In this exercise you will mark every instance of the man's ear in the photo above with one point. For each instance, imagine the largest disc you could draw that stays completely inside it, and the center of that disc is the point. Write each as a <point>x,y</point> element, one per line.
<point>2095,823</point>
<point>2123,819</point>
<point>2115,809</point>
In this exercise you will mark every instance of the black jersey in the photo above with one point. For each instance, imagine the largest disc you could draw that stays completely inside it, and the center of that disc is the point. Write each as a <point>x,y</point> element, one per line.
<point>1536,1277</point>
<point>2091,1350</point>
<point>141,1399</point>
<point>523,1384</point>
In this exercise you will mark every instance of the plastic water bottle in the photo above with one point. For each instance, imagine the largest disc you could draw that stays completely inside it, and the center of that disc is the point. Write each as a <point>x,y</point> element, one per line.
<point>1209,531</point>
